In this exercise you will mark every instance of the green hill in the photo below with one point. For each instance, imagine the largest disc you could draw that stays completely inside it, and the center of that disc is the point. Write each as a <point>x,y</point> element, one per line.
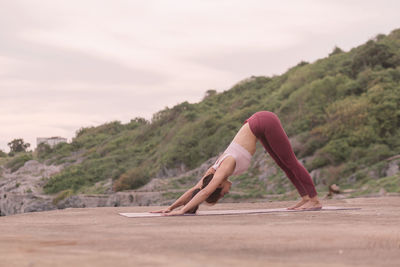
<point>343,110</point>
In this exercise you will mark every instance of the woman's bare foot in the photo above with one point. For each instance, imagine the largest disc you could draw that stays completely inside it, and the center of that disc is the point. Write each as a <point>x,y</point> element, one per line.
<point>303,201</point>
<point>311,204</point>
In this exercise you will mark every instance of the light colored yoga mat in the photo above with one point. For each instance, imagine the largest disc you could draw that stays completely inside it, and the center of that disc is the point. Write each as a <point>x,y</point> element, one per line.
<point>231,212</point>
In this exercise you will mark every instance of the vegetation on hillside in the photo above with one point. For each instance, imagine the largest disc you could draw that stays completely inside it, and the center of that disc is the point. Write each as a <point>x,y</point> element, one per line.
<point>3,154</point>
<point>18,145</point>
<point>344,109</point>
<point>18,160</point>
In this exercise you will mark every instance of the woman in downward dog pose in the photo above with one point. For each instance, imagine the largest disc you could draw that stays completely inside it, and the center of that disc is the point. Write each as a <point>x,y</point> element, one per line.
<point>266,127</point>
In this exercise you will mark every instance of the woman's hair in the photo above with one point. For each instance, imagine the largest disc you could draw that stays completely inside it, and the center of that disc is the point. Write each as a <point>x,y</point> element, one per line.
<point>212,199</point>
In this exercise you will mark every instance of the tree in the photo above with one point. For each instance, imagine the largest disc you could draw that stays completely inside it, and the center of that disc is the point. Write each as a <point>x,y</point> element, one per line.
<point>210,93</point>
<point>18,145</point>
<point>336,50</point>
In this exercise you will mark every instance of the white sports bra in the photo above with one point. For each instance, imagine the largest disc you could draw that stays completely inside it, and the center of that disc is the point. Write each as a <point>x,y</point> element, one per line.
<point>241,156</point>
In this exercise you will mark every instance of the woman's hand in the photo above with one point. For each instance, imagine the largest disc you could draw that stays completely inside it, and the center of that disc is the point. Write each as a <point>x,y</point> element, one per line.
<point>166,210</point>
<point>174,213</point>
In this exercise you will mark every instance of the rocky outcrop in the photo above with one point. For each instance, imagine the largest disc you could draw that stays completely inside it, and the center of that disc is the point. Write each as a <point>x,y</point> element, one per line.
<point>393,166</point>
<point>129,198</point>
<point>21,191</point>
<point>13,203</point>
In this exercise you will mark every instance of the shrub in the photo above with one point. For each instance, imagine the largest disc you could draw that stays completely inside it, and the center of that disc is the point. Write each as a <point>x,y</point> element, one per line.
<point>336,50</point>
<point>43,150</point>
<point>370,55</point>
<point>18,162</point>
<point>312,144</point>
<point>2,154</point>
<point>336,151</point>
<point>376,153</point>
<point>62,195</point>
<point>71,178</point>
<point>132,179</point>
<point>318,162</point>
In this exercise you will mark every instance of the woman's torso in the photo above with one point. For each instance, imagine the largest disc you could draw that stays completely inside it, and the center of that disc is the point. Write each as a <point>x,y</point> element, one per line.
<point>246,138</point>
<point>242,147</point>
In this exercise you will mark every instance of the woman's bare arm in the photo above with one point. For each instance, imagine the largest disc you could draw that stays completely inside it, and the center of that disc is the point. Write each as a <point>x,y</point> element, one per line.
<point>185,198</point>
<point>182,200</point>
<point>225,170</point>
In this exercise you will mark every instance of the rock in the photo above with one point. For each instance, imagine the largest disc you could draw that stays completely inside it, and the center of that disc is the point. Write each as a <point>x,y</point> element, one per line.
<point>393,168</point>
<point>382,192</point>
<point>297,145</point>
<point>334,189</point>
<point>21,191</point>
<point>126,199</point>
<point>13,203</point>
<point>134,198</point>
<point>164,172</point>
<point>83,201</point>
<point>374,174</point>
<point>352,179</point>
<point>316,176</point>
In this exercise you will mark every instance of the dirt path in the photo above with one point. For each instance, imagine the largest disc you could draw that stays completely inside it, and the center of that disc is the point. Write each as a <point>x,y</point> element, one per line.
<point>101,237</point>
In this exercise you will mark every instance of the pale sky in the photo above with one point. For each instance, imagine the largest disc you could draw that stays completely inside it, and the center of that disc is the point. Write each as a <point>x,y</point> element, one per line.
<point>77,63</point>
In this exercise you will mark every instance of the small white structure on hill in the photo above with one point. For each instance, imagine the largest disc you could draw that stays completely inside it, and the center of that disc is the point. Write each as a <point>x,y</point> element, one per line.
<point>51,141</point>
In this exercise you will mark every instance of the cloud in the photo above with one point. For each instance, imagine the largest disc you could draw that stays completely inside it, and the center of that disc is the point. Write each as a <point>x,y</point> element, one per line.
<point>47,63</point>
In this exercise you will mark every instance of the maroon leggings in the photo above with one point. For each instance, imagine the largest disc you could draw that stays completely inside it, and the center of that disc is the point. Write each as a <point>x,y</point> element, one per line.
<point>267,127</point>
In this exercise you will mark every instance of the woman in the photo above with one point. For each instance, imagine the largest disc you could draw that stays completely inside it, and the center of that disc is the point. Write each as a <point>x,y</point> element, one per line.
<point>265,127</point>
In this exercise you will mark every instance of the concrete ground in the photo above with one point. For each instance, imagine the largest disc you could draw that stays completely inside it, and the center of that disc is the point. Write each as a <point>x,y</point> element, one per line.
<point>101,237</point>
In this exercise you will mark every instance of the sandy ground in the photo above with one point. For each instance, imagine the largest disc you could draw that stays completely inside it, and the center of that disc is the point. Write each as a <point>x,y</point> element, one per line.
<point>101,237</point>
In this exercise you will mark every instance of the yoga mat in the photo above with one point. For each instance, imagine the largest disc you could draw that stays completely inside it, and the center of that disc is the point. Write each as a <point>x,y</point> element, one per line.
<point>231,212</point>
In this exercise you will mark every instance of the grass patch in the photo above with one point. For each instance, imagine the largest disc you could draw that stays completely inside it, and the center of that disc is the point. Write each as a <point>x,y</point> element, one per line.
<point>18,161</point>
<point>95,189</point>
<point>390,184</point>
<point>62,195</point>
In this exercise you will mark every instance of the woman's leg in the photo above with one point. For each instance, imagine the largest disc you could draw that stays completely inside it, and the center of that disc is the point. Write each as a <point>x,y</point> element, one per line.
<point>268,129</point>
<point>296,182</point>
